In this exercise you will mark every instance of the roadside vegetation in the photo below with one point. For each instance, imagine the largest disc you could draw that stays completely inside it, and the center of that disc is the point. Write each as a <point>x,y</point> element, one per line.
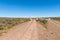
<point>7,23</point>
<point>43,22</point>
<point>56,18</point>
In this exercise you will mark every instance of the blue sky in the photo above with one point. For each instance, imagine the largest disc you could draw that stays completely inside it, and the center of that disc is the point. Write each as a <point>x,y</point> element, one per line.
<point>29,8</point>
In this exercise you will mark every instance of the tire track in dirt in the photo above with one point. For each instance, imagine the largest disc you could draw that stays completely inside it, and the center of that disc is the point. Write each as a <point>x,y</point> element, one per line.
<point>33,31</point>
<point>54,30</point>
<point>16,33</point>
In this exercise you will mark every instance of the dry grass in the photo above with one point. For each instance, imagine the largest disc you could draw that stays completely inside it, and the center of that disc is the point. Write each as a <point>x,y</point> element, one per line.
<point>56,18</point>
<point>6,23</point>
<point>43,22</point>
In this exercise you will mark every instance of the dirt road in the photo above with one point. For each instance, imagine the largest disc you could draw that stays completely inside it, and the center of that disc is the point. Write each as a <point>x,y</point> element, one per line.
<point>33,31</point>
<point>54,29</point>
<point>25,31</point>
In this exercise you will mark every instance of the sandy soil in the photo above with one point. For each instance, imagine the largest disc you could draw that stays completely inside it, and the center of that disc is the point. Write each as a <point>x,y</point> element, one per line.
<point>54,29</point>
<point>33,31</point>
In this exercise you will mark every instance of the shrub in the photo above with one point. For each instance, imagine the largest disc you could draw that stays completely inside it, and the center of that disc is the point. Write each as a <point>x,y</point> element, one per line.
<point>43,22</point>
<point>6,23</point>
